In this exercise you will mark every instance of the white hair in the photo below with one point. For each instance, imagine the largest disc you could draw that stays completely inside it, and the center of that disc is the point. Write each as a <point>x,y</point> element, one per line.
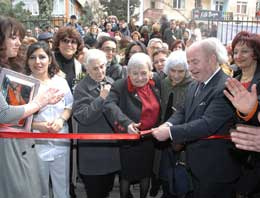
<point>95,54</point>
<point>139,59</point>
<point>165,46</point>
<point>213,45</point>
<point>177,57</point>
<point>154,40</point>
<point>101,35</point>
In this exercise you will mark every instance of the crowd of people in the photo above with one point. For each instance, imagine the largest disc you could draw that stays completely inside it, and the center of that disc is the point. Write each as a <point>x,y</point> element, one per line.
<point>199,98</point>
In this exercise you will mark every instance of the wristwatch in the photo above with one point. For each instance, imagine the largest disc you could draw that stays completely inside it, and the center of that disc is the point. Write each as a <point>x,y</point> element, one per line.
<point>64,120</point>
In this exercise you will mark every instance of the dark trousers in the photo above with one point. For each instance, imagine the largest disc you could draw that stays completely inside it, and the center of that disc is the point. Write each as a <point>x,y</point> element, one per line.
<point>98,186</point>
<point>206,189</point>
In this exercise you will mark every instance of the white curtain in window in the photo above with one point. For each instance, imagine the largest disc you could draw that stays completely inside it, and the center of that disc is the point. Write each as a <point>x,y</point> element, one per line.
<point>58,7</point>
<point>179,4</point>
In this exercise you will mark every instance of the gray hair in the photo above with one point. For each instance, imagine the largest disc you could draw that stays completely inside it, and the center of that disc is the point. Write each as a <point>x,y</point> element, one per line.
<point>101,35</point>
<point>139,59</point>
<point>154,40</point>
<point>175,58</point>
<point>95,54</point>
<point>214,46</point>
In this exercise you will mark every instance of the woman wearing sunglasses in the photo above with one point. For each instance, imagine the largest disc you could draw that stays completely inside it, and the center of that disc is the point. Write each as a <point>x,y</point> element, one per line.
<point>67,44</point>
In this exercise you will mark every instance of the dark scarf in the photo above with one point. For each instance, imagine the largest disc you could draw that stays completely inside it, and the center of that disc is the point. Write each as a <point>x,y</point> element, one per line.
<point>68,67</point>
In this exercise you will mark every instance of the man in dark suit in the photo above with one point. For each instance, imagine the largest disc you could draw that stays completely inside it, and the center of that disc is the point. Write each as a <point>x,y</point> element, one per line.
<point>172,33</point>
<point>203,123</point>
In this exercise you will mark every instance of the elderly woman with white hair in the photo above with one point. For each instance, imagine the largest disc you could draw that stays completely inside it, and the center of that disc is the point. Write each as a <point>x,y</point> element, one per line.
<point>173,89</point>
<point>98,161</point>
<point>132,106</point>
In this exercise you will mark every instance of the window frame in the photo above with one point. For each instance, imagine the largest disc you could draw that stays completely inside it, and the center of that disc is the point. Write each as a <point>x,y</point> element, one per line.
<point>180,4</point>
<point>240,5</point>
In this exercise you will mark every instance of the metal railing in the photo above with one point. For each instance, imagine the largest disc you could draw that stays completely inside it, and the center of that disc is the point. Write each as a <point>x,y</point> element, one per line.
<point>226,24</point>
<point>227,29</point>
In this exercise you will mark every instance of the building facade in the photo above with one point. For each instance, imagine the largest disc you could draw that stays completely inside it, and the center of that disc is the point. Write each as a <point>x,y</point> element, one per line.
<point>61,8</point>
<point>185,9</point>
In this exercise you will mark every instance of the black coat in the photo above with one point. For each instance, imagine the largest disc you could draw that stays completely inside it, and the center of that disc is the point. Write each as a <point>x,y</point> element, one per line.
<point>114,70</point>
<point>170,35</point>
<point>121,109</point>
<point>95,158</point>
<point>250,180</point>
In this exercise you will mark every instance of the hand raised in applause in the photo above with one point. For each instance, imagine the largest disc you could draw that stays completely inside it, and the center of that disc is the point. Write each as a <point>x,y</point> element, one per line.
<point>243,100</point>
<point>51,96</point>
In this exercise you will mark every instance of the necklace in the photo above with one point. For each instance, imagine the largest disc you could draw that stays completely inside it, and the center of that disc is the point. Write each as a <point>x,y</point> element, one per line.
<point>246,78</point>
<point>248,74</point>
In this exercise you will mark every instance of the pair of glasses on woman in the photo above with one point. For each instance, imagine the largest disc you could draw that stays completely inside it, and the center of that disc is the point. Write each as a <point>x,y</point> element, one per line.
<point>69,41</point>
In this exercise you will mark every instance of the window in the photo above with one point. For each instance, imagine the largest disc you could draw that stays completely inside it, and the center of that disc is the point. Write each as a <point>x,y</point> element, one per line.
<point>152,4</point>
<point>58,7</point>
<point>241,7</point>
<point>219,5</point>
<point>198,4</point>
<point>258,5</point>
<point>71,7</point>
<point>257,9</point>
<point>179,4</point>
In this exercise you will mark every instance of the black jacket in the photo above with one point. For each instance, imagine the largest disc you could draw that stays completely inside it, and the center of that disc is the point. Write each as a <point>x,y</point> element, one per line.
<point>95,158</point>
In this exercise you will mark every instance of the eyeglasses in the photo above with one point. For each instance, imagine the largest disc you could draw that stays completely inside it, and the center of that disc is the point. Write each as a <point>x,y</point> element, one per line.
<point>109,49</point>
<point>69,41</point>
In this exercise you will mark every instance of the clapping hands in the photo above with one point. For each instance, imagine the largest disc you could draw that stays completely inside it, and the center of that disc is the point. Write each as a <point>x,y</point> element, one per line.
<point>243,100</point>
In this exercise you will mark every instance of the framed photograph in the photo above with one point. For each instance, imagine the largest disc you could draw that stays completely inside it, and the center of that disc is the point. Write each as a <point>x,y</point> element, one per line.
<point>18,89</point>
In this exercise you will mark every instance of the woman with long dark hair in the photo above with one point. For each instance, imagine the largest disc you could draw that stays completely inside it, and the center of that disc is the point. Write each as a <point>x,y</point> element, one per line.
<point>54,154</point>
<point>19,175</point>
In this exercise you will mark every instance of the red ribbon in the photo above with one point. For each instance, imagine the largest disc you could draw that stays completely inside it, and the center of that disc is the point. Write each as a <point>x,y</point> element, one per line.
<point>223,137</point>
<point>81,136</point>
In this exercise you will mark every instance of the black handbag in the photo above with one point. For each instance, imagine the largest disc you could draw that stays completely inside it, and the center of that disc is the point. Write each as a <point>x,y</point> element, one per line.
<point>181,182</point>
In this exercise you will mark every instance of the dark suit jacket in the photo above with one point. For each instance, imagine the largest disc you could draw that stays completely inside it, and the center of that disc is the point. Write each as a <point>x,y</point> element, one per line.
<point>170,36</point>
<point>209,114</point>
<point>114,70</point>
<point>95,158</point>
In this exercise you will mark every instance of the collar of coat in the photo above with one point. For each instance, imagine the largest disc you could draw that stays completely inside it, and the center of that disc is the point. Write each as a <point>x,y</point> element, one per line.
<point>92,84</point>
<point>131,88</point>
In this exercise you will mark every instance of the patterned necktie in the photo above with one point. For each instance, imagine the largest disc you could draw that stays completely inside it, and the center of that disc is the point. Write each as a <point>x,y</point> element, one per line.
<point>199,89</point>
